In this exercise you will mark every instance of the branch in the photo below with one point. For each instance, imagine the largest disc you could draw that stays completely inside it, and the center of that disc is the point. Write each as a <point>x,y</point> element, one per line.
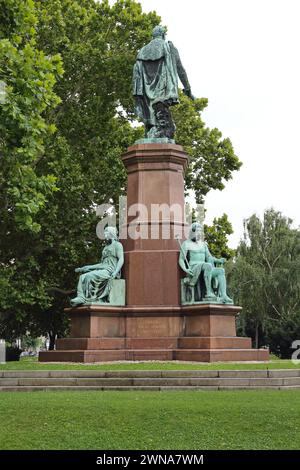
<point>272,305</point>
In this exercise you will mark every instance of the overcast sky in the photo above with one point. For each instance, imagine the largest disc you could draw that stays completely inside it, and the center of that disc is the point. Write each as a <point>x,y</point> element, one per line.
<point>243,55</point>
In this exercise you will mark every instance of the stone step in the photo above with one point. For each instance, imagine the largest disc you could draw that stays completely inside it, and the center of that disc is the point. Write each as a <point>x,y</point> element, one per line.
<point>63,344</point>
<point>208,342</point>
<point>189,382</point>
<point>197,355</point>
<point>93,373</point>
<point>114,373</point>
<point>214,342</point>
<point>146,388</point>
<point>116,343</point>
<point>221,355</point>
<point>152,380</point>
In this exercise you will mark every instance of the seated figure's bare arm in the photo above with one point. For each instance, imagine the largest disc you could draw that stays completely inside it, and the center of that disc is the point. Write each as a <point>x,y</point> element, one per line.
<point>86,269</point>
<point>182,259</point>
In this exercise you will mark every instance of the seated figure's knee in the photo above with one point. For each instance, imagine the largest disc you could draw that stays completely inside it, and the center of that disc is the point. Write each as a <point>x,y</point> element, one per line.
<point>86,276</point>
<point>220,270</point>
<point>207,267</point>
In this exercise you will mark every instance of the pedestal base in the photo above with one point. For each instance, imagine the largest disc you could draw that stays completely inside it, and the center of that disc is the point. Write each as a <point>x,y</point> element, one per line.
<point>204,333</point>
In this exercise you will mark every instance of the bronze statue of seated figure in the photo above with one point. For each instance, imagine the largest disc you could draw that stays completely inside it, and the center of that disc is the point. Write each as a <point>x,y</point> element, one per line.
<point>205,281</point>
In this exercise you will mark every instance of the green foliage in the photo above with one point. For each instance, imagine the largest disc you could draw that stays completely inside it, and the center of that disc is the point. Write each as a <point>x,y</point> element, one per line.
<point>264,279</point>
<point>216,236</point>
<point>29,76</point>
<point>30,343</point>
<point>17,20</point>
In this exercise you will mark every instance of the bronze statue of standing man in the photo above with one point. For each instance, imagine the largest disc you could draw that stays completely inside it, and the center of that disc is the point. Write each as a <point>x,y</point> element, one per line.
<point>155,85</point>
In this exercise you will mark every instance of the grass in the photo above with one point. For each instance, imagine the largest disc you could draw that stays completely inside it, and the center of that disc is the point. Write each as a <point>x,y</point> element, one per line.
<point>147,420</point>
<point>31,363</point>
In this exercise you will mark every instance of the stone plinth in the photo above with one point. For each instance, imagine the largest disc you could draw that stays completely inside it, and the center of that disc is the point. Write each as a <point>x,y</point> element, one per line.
<point>204,333</point>
<point>155,177</point>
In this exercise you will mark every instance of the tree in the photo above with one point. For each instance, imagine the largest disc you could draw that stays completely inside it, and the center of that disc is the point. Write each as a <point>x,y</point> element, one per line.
<point>29,77</point>
<point>216,236</point>
<point>264,279</point>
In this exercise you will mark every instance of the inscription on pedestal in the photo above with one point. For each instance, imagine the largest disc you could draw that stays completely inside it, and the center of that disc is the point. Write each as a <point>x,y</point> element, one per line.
<point>146,327</point>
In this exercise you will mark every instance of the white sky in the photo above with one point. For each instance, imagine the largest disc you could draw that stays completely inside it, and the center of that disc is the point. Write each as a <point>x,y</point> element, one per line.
<point>243,55</point>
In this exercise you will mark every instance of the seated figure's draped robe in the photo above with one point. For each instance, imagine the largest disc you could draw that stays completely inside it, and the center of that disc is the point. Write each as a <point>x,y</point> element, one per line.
<point>96,284</point>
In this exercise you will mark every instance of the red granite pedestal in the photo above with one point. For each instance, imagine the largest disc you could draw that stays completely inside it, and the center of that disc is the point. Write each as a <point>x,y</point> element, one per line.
<point>154,325</point>
<point>155,178</point>
<point>204,333</point>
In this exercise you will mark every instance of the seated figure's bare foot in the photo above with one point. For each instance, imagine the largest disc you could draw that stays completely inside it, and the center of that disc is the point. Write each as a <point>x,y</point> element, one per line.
<point>210,296</point>
<point>76,301</point>
<point>226,300</point>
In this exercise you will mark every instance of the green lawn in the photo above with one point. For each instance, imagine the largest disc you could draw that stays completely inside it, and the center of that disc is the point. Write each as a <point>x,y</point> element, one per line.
<point>147,420</point>
<point>33,364</point>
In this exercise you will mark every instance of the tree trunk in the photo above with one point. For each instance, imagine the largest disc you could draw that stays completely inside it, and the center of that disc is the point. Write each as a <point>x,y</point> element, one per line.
<point>52,337</point>
<point>256,336</point>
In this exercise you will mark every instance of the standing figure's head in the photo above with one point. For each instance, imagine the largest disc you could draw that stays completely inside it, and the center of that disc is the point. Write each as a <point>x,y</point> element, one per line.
<point>110,233</point>
<point>196,232</point>
<point>159,32</point>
